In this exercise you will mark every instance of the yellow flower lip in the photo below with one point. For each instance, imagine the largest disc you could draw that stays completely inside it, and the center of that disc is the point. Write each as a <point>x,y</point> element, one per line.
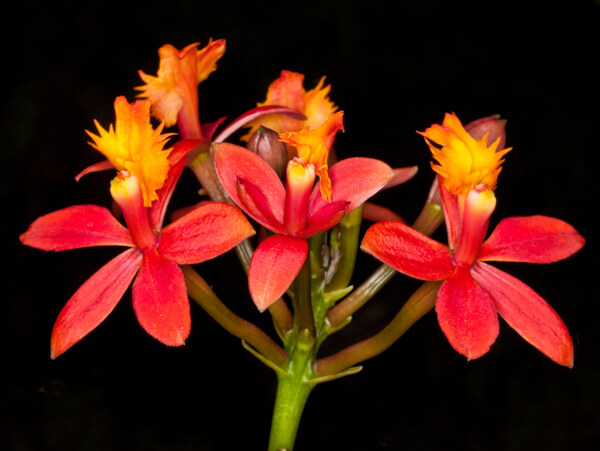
<point>464,162</point>
<point>313,146</point>
<point>133,146</point>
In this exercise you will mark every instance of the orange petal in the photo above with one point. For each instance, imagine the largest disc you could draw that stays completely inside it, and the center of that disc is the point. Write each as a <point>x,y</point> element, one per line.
<point>288,91</point>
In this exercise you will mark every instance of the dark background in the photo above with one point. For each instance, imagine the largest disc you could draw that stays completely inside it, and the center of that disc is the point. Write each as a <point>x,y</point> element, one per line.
<point>395,67</point>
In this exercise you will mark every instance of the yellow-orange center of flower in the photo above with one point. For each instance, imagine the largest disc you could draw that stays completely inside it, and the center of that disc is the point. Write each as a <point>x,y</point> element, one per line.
<point>134,146</point>
<point>464,162</point>
<point>313,146</point>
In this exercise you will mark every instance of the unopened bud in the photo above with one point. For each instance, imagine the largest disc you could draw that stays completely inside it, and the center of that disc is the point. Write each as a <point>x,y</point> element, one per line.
<point>265,143</point>
<point>492,125</point>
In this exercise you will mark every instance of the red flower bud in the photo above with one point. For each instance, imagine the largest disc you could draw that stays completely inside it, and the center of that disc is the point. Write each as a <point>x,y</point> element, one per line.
<point>265,143</point>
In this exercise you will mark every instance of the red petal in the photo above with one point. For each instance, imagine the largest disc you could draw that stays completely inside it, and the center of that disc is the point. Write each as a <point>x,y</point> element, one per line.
<point>234,162</point>
<point>534,239</point>
<point>402,176</point>
<point>255,203</point>
<point>377,213</point>
<point>102,166</point>
<point>160,300</point>
<point>274,266</point>
<point>325,218</point>
<point>93,301</point>
<point>527,313</point>
<point>256,113</point>
<point>353,180</point>
<point>206,232</point>
<point>466,314</point>
<point>408,251</point>
<point>209,129</point>
<point>177,159</point>
<point>76,227</point>
<point>451,214</point>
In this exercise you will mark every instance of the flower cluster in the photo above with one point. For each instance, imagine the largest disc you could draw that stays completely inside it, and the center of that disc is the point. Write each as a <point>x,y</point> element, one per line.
<point>307,208</point>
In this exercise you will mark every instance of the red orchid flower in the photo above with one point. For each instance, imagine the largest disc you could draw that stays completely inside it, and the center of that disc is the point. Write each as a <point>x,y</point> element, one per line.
<point>159,292</point>
<point>474,292</point>
<point>301,210</point>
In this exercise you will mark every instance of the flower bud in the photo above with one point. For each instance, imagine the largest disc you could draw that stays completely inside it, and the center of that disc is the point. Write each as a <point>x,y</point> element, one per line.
<point>265,143</point>
<point>492,125</point>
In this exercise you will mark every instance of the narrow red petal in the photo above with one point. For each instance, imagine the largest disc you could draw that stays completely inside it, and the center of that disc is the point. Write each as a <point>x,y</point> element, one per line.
<point>160,300</point>
<point>377,213</point>
<point>93,301</point>
<point>325,218</point>
<point>408,251</point>
<point>206,232</point>
<point>102,166</point>
<point>403,175</point>
<point>254,114</point>
<point>256,205</point>
<point>466,314</point>
<point>527,313</point>
<point>177,160</point>
<point>76,227</point>
<point>353,180</point>
<point>209,129</point>
<point>234,162</point>
<point>452,215</point>
<point>534,239</point>
<point>274,266</point>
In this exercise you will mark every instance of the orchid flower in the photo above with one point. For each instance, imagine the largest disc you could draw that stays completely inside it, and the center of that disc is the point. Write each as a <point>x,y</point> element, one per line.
<point>299,211</point>
<point>174,93</point>
<point>288,91</point>
<point>474,292</point>
<point>146,179</point>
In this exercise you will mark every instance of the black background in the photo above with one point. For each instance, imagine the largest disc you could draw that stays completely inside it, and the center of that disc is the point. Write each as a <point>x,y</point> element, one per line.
<point>395,67</point>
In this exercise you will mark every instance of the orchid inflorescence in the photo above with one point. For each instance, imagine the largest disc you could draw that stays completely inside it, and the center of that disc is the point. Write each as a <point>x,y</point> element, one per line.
<point>307,209</point>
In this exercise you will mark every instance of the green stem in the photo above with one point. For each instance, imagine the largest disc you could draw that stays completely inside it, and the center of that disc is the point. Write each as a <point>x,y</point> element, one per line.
<point>204,296</point>
<point>432,214</point>
<point>303,311</point>
<point>293,389</point>
<point>202,162</point>
<point>359,297</point>
<point>350,230</point>
<point>294,382</point>
<point>421,302</point>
